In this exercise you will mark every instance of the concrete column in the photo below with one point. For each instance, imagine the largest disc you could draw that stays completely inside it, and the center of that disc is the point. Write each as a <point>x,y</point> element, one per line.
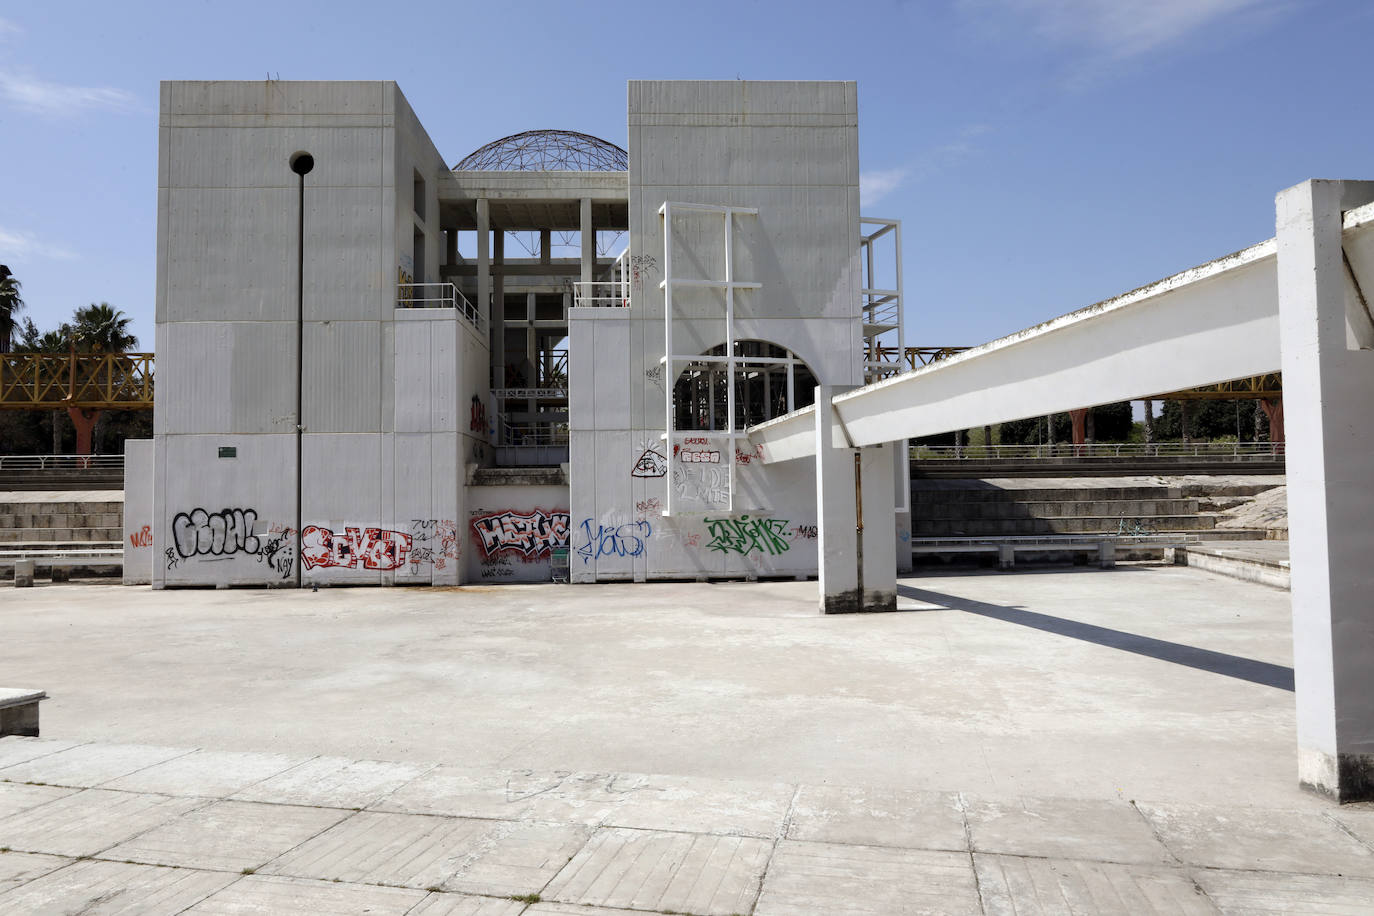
<point>451,247</point>
<point>23,573</point>
<point>1330,501</point>
<point>588,241</point>
<point>498,309</point>
<point>844,489</point>
<point>484,259</point>
<point>545,246</point>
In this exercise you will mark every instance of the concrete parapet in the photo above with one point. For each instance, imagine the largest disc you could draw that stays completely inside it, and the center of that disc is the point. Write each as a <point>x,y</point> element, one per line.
<point>23,574</point>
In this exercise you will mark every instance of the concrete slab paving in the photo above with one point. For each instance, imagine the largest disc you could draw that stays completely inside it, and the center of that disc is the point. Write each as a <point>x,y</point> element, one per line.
<point>269,895</point>
<point>660,871</point>
<point>808,878</point>
<point>472,792</point>
<point>334,782</point>
<point>102,888</point>
<point>1074,828</point>
<point>701,805</point>
<point>228,835</point>
<point>424,851</point>
<point>15,749</point>
<point>464,905</point>
<point>1262,839</point>
<point>879,817</point>
<point>90,765</point>
<point>16,797</point>
<point>212,774</point>
<point>18,868</point>
<point>88,822</point>
<point>1253,892</point>
<point>1020,886</point>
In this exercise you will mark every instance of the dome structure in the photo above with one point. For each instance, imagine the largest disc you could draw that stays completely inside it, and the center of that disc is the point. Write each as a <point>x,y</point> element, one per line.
<point>547,151</point>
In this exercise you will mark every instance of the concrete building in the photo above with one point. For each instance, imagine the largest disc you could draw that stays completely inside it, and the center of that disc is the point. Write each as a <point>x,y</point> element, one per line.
<point>448,408</point>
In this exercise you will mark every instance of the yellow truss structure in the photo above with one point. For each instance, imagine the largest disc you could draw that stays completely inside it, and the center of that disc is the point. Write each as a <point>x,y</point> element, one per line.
<point>92,381</point>
<point>1259,387</point>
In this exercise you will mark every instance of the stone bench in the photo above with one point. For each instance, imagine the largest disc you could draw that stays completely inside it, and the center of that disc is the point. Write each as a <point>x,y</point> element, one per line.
<point>1006,548</point>
<point>19,711</point>
<point>23,564</point>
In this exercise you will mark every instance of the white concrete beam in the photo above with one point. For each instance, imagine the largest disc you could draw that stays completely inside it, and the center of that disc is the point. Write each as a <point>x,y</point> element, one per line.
<point>1210,324</point>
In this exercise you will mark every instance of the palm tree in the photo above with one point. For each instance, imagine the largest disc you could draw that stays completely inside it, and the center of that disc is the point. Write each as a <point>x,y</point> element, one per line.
<point>10,305</point>
<point>102,329</point>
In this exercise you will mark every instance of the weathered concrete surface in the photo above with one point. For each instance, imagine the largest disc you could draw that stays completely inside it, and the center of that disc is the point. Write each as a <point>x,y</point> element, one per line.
<point>997,686</point>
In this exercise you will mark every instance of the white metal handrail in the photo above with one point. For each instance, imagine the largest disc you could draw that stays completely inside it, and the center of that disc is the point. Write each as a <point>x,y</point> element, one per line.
<point>1101,450</point>
<point>602,294</point>
<point>61,462</point>
<point>437,296</point>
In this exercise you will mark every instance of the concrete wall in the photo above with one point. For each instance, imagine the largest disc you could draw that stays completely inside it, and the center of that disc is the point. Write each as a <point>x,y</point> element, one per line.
<point>372,482</point>
<point>790,150</point>
<point>510,532</point>
<point>138,511</point>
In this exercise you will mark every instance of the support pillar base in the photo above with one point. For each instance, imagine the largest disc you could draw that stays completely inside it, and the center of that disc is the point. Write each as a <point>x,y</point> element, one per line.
<point>873,602</point>
<point>1343,778</point>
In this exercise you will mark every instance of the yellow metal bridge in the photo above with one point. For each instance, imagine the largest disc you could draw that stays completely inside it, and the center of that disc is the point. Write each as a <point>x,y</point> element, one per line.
<point>88,381</point>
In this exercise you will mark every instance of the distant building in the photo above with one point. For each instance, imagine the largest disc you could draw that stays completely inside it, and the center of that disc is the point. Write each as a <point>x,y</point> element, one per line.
<point>553,345</point>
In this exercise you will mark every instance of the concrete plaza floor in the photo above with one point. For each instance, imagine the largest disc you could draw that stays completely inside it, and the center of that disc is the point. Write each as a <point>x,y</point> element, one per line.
<point>1056,741</point>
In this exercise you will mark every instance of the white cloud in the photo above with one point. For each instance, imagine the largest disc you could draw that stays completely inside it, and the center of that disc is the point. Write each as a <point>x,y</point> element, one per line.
<point>874,186</point>
<point>1116,28</point>
<point>8,28</point>
<point>33,94</point>
<point>18,245</point>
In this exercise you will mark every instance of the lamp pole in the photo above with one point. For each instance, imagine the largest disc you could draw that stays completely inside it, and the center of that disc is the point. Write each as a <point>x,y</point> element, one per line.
<point>301,164</point>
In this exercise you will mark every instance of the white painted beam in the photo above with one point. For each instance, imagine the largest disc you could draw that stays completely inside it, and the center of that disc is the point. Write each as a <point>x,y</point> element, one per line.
<point>1209,324</point>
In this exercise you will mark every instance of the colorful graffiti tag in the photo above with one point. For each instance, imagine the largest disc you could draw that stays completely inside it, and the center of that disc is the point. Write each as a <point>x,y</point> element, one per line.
<point>528,535</point>
<point>744,535</point>
<point>370,548</point>
<point>626,540</point>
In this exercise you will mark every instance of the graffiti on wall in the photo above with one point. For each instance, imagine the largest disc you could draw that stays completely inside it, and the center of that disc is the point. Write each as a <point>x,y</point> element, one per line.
<point>433,541</point>
<point>745,535</point>
<point>805,532</point>
<point>650,464</point>
<point>702,485</point>
<point>143,537</point>
<point>477,415</point>
<point>642,267</point>
<point>655,374</point>
<point>627,540</point>
<point>353,548</point>
<point>648,506</point>
<point>525,535</point>
<point>217,534</point>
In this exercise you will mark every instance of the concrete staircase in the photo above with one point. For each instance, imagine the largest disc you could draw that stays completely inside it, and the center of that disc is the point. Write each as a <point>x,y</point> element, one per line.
<point>976,508</point>
<point>42,526</point>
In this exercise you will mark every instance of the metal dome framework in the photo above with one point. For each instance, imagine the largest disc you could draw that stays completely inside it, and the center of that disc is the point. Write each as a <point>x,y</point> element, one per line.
<point>547,151</point>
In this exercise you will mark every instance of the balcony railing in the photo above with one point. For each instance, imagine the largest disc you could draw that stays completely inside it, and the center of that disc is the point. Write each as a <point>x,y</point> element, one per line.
<point>438,296</point>
<point>1255,450</point>
<point>602,294</point>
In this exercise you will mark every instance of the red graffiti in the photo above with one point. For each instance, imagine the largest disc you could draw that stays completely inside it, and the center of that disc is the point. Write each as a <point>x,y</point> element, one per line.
<point>477,411</point>
<point>527,535</point>
<point>374,548</point>
<point>143,538</point>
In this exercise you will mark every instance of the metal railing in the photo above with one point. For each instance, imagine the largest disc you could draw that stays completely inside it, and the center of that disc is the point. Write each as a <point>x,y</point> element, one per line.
<point>61,462</point>
<point>1101,450</point>
<point>438,296</point>
<point>602,294</point>
<point>94,381</point>
<point>532,434</point>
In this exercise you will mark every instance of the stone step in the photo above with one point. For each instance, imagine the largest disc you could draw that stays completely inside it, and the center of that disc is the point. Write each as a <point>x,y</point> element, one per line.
<point>73,535</point>
<point>994,527</point>
<point>24,507</point>
<point>1043,494</point>
<point>1128,508</point>
<point>61,520</point>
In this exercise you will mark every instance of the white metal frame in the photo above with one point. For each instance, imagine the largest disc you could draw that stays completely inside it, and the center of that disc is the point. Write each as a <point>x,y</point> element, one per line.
<point>671,360</point>
<point>881,309</point>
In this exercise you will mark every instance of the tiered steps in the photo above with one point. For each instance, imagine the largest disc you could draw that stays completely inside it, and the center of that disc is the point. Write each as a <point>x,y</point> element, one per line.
<point>44,525</point>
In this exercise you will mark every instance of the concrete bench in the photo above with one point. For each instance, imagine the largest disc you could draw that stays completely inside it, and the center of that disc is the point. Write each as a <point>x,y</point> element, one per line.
<point>19,711</point>
<point>1006,548</point>
<point>23,564</point>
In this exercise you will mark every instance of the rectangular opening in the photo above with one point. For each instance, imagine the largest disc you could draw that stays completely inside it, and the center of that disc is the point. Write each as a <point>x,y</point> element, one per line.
<point>419,195</point>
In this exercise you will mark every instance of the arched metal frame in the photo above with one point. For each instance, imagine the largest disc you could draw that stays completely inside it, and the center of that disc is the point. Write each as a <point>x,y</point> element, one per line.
<point>770,381</point>
<point>547,151</point>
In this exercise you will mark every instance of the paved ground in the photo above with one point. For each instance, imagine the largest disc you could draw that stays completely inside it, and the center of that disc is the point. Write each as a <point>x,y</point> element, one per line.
<point>1070,741</point>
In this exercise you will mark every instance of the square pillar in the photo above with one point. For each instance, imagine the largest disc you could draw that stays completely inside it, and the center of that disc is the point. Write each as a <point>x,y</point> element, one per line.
<point>588,242</point>
<point>484,259</point>
<point>856,573</point>
<point>1328,382</point>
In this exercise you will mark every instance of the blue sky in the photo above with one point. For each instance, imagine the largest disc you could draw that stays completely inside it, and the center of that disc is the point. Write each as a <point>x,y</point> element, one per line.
<point>1043,154</point>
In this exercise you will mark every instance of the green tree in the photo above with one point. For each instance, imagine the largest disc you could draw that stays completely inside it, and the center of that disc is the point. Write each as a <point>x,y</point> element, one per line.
<point>102,329</point>
<point>10,305</point>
